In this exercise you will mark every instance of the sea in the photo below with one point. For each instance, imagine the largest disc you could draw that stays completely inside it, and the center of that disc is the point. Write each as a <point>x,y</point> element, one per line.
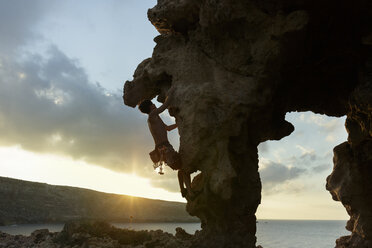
<point>270,233</point>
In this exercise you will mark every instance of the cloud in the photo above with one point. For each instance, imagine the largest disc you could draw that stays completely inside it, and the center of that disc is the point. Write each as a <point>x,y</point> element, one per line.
<point>263,147</point>
<point>166,181</point>
<point>330,138</point>
<point>280,174</point>
<point>305,150</point>
<point>297,162</point>
<point>322,167</point>
<point>307,156</point>
<point>17,19</point>
<point>325,123</point>
<point>48,105</point>
<point>290,187</point>
<point>274,174</point>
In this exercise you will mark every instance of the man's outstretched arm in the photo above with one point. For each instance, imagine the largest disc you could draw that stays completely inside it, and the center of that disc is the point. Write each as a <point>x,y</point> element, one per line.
<point>165,104</point>
<point>171,127</point>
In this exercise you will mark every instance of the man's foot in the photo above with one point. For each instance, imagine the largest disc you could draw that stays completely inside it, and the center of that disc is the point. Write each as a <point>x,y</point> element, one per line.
<point>183,193</point>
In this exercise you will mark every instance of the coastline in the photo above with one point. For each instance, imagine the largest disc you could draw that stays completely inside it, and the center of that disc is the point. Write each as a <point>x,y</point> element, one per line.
<point>270,233</point>
<point>97,234</point>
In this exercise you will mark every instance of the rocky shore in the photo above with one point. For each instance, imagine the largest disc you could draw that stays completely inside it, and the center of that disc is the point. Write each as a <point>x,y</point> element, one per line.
<point>97,234</point>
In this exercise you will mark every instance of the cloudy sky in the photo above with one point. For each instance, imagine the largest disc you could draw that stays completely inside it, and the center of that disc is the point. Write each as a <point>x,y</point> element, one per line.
<point>62,120</point>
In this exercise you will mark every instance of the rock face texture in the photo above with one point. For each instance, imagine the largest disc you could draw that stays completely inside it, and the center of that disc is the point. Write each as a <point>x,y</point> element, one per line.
<point>238,66</point>
<point>350,181</point>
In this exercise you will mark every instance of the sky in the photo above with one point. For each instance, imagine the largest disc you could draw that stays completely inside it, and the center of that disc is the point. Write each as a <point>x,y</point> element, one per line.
<point>62,120</point>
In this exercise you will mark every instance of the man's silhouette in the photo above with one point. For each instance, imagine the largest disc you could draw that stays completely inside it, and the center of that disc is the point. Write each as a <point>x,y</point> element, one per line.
<point>164,151</point>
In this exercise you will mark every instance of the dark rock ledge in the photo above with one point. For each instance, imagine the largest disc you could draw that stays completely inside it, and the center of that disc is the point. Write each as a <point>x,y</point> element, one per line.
<point>97,234</point>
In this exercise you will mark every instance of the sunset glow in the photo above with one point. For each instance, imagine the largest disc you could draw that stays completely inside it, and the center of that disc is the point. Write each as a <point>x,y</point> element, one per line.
<point>59,170</point>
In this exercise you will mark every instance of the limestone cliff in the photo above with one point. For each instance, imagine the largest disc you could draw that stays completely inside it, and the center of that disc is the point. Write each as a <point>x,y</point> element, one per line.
<point>350,181</point>
<point>238,66</point>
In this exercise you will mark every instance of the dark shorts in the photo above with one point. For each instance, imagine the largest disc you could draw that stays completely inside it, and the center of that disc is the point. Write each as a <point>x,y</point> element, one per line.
<point>169,155</point>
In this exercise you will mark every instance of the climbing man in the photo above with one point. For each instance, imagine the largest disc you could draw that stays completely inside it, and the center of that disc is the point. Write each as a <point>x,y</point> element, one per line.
<point>164,151</point>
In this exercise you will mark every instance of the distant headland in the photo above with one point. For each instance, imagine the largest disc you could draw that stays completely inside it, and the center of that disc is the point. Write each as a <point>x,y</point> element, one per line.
<point>29,202</point>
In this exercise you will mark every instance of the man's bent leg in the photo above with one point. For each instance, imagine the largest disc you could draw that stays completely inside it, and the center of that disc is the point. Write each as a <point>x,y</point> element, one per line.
<point>180,181</point>
<point>187,180</point>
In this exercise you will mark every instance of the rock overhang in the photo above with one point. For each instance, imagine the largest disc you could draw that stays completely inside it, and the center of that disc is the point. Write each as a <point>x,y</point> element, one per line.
<point>238,67</point>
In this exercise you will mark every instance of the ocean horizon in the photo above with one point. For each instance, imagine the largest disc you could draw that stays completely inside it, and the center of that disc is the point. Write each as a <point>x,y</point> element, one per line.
<point>270,233</point>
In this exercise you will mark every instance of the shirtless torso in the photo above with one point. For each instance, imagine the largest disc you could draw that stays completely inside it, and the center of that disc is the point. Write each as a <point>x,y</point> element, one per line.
<point>159,131</point>
<point>157,128</point>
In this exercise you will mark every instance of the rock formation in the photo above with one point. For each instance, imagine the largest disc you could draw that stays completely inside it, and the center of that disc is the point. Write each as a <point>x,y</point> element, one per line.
<point>238,66</point>
<point>351,181</point>
<point>97,234</point>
